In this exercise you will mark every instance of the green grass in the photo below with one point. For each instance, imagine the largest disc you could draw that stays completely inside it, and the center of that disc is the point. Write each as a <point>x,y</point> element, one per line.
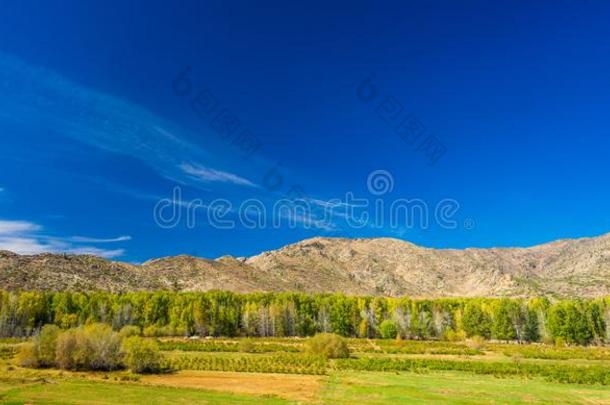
<point>74,391</point>
<point>342,388</point>
<point>380,372</point>
<point>453,388</point>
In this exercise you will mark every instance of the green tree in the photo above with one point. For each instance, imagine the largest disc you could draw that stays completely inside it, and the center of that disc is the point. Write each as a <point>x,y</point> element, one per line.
<point>531,332</point>
<point>388,329</point>
<point>568,320</point>
<point>502,327</point>
<point>475,321</point>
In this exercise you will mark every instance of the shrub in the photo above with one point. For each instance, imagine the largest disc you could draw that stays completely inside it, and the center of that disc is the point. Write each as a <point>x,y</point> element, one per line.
<point>8,352</point>
<point>246,346</point>
<point>41,352</point>
<point>329,345</point>
<point>560,342</point>
<point>476,342</point>
<point>94,347</point>
<point>388,329</point>
<point>151,331</point>
<point>129,330</point>
<point>70,353</point>
<point>142,355</point>
<point>28,356</point>
<point>105,345</point>
<point>453,336</point>
<point>46,342</point>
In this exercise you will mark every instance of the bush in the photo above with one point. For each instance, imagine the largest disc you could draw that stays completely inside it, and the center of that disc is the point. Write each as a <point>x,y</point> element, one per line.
<point>105,345</point>
<point>476,342</point>
<point>46,342</point>
<point>95,347</point>
<point>151,331</point>
<point>28,356</point>
<point>70,353</point>
<point>142,355</point>
<point>329,345</point>
<point>129,330</point>
<point>41,352</point>
<point>388,329</point>
<point>247,346</point>
<point>453,336</point>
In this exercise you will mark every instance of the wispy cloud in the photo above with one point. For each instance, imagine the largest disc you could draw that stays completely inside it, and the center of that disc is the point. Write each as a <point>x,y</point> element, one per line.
<point>208,175</point>
<point>101,120</point>
<point>23,237</point>
<point>85,239</point>
<point>89,250</point>
<point>17,227</point>
<point>307,220</point>
<point>24,246</point>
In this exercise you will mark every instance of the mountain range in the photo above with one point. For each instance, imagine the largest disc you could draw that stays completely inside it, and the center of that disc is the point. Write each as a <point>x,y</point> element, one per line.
<point>379,266</point>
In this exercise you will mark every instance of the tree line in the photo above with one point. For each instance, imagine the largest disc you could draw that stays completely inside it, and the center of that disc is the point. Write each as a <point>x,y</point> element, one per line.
<point>222,313</point>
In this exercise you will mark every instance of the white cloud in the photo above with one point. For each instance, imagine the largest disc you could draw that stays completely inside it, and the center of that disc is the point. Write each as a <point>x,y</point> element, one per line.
<point>17,227</point>
<point>209,175</point>
<point>21,237</point>
<point>306,220</point>
<point>88,250</point>
<point>100,120</point>
<point>23,246</point>
<point>329,204</point>
<point>85,239</point>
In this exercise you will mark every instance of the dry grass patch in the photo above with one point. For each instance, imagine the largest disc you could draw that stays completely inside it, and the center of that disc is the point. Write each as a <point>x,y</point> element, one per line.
<point>286,386</point>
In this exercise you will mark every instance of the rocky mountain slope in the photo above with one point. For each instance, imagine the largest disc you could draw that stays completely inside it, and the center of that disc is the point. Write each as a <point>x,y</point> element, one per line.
<point>383,266</point>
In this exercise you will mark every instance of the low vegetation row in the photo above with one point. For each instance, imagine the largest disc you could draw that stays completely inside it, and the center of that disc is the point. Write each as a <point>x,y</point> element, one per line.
<point>563,373</point>
<point>558,352</point>
<point>218,313</point>
<point>98,347</point>
<point>279,363</point>
<point>470,347</point>
<point>245,346</point>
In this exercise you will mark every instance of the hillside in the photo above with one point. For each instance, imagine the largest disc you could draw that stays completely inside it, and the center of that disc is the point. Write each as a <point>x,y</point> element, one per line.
<point>383,266</point>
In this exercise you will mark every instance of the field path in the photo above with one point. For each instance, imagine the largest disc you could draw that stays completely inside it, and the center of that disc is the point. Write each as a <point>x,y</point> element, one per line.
<point>286,386</point>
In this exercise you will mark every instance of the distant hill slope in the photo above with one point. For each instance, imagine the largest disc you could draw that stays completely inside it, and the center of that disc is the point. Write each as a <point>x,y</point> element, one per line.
<point>383,266</point>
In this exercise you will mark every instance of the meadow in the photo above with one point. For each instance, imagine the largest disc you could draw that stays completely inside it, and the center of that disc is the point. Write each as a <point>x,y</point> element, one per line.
<point>279,370</point>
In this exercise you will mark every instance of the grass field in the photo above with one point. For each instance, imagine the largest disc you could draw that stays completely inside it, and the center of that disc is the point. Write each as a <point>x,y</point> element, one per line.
<point>215,372</point>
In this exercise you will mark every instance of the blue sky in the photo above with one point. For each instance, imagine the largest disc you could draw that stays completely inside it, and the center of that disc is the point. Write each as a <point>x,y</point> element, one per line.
<point>96,130</point>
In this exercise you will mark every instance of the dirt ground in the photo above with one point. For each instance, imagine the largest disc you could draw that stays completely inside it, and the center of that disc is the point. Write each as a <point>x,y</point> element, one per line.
<point>287,386</point>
